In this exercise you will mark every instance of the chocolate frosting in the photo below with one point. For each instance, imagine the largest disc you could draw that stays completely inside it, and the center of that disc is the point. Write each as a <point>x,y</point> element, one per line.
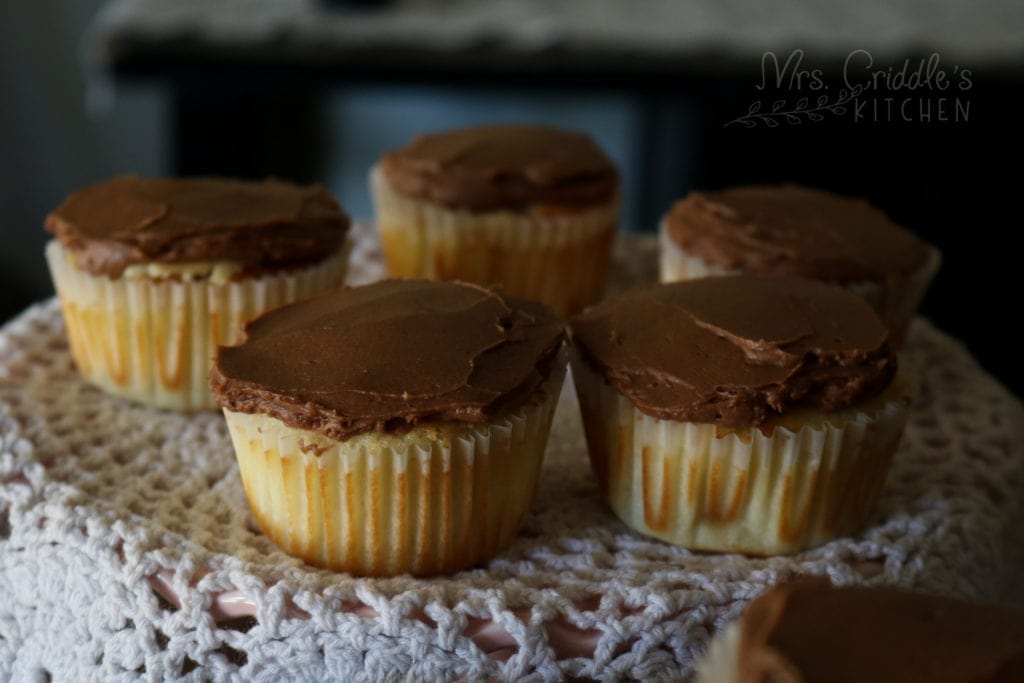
<point>808,632</point>
<point>266,225</point>
<point>737,350</point>
<point>388,356</point>
<point>502,167</point>
<point>794,230</point>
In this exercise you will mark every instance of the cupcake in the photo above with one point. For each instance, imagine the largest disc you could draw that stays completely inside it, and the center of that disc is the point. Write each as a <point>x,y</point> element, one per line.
<point>753,414</point>
<point>532,209</point>
<point>792,230</point>
<point>393,428</point>
<point>806,631</point>
<point>153,274</point>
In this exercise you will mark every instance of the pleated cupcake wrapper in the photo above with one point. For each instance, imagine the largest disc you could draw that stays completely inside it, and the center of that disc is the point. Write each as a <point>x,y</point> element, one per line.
<point>560,258</point>
<point>151,340</point>
<point>677,264</point>
<point>709,488</point>
<point>435,500</point>
<point>896,302</point>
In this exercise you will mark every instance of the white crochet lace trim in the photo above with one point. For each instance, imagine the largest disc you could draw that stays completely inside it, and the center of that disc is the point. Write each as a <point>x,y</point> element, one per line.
<point>97,496</point>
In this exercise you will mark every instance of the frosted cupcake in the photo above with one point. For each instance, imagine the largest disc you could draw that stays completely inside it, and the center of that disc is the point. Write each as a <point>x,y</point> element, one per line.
<point>393,428</point>
<point>792,230</point>
<point>752,414</point>
<point>531,209</point>
<point>153,274</point>
<point>806,631</point>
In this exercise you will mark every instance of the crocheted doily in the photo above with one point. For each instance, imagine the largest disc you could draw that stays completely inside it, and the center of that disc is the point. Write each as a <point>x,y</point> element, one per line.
<point>127,548</point>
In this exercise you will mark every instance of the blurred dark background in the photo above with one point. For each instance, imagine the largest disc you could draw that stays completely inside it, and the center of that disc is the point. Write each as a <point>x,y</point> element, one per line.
<point>317,91</point>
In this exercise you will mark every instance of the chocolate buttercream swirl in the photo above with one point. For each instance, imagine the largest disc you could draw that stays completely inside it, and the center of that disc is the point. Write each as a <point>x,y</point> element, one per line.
<point>794,230</point>
<point>265,225</point>
<point>806,631</point>
<point>502,167</point>
<point>388,356</point>
<point>737,350</point>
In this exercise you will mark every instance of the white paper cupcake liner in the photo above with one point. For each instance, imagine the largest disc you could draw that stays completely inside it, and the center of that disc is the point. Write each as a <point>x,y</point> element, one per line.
<point>676,264</point>
<point>437,499</point>
<point>151,340</point>
<point>559,257</point>
<point>756,491</point>
<point>896,302</point>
